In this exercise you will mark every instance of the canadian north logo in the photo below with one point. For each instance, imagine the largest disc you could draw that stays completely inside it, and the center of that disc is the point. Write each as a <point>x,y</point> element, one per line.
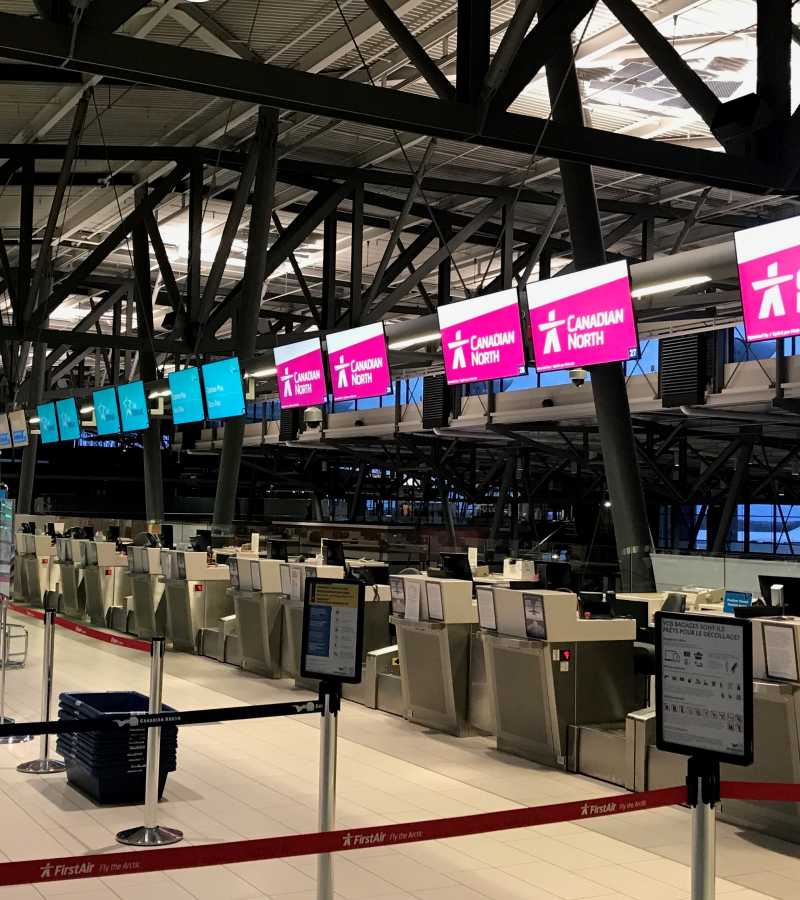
<point>298,384</point>
<point>484,349</point>
<point>772,303</point>
<point>582,330</point>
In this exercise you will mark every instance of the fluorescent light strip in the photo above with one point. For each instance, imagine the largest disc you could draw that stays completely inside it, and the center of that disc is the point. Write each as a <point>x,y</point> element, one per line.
<point>35,420</point>
<point>262,373</point>
<point>665,287</point>
<point>84,410</point>
<point>416,341</point>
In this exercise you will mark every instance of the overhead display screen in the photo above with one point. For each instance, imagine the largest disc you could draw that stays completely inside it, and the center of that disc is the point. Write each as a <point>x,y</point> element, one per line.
<point>48,423</point>
<point>133,406</point>
<point>187,398</point>
<point>222,381</point>
<point>106,412</point>
<point>768,257</point>
<point>301,377</point>
<point>583,319</point>
<point>5,433</point>
<point>69,423</point>
<point>482,338</point>
<point>19,427</point>
<point>358,363</point>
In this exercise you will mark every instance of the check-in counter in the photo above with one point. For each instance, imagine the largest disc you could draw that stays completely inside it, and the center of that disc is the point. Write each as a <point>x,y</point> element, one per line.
<point>551,672</point>
<point>196,596</point>
<point>40,567</point>
<point>147,590</point>
<point>434,619</point>
<point>73,591</point>
<point>106,581</point>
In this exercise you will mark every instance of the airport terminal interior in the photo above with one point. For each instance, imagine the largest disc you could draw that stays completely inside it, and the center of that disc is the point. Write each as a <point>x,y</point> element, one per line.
<point>400,449</point>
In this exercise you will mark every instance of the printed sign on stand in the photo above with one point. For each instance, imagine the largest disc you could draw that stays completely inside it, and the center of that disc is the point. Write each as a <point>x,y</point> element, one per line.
<point>333,630</point>
<point>482,338</point>
<point>301,375</point>
<point>8,550</point>
<point>768,257</point>
<point>704,686</point>
<point>358,363</point>
<point>583,319</point>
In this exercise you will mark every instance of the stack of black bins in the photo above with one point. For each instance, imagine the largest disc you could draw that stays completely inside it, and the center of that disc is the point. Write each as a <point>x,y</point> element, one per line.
<point>109,766</point>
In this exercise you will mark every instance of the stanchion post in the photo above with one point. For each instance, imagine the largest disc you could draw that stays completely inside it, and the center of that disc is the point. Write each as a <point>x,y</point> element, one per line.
<point>703,790</point>
<point>330,697</point>
<point>151,834</point>
<point>4,719</point>
<point>44,765</point>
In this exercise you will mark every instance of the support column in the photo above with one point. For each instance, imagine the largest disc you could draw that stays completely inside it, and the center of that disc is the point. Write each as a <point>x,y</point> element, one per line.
<point>732,497</point>
<point>246,321</point>
<point>31,452</point>
<point>505,486</point>
<point>608,381</point>
<point>447,512</point>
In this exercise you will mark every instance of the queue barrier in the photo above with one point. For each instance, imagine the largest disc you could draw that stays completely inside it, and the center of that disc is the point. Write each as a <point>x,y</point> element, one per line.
<point>84,630</point>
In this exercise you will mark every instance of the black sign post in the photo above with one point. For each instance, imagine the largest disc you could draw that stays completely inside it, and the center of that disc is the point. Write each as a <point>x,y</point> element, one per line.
<point>704,710</point>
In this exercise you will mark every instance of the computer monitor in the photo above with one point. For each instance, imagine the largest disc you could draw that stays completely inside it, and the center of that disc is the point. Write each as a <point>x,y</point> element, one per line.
<point>456,565</point>
<point>555,575</point>
<point>167,537</point>
<point>791,591</point>
<point>88,532</point>
<point>675,603</point>
<point>632,609</point>
<point>202,540</point>
<point>594,605</point>
<point>113,532</point>
<point>278,549</point>
<point>333,553</point>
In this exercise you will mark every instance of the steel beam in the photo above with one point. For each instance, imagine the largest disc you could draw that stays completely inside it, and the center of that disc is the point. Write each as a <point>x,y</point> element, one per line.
<point>311,302</point>
<point>773,66</point>
<point>732,496</point>
<point>196,176</point>
<point>164,264</point>
<point>330,312</point>
<point>472,59</point>
<point>356,255</point>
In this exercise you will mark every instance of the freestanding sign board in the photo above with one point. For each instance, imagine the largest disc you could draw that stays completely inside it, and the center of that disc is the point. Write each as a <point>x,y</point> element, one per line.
<point>704,687</point>
<point>769,267</point>
<point>333,630</point>
<point>583,319</point>
<point>301,376</point>
<point>358,363</point>
<point>482,338</point>
<point>8,550</point>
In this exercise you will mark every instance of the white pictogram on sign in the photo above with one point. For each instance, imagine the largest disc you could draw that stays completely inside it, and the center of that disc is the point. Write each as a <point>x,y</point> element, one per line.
<point>551,342</point>
<point>772,301</point>
<point>459,360</point>
<point>287,384</point>
<point>342,367</point>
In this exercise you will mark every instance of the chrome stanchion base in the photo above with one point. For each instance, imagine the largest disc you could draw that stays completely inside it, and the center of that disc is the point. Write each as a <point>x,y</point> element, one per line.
<point>14,738</point>
<point>149,837</point>
<point>42,767</point>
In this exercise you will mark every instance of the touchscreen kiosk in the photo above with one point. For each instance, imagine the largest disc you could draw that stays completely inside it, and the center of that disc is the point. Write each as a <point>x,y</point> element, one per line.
<point>333,630</point>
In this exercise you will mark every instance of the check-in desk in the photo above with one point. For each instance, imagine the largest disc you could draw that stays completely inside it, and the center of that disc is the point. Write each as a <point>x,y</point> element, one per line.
<point>552,673</point>
<point>434,620</point>
<point>196,596</point>
<point>73,590</point>
<point>147,590</point>
<point>105,578</point>
<point>40,567</point>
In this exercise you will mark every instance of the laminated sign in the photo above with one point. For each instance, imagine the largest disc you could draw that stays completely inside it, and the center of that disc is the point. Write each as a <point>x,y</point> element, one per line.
<point>333,630</point>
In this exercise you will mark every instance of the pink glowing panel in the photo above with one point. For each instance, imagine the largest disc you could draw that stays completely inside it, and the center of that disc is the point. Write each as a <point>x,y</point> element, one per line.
<point>301,378</point>
<point>358,363</point>
<point>482,338</point>
<point>769,276</point>
<point>583,319</point>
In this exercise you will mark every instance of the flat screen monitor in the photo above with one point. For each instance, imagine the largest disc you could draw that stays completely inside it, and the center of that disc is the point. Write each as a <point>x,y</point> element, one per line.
<point>791,591</point>
<point>69,422</point>
<point>167,536</point>
<point>48,422</point>
<point>222,382</point>
<point>638,610</point>
<point>675,603</point>
<point>278,549</point>
<point>202,540</point>
<point>594,605</point>
<point>333,553</point>
<point>5,433</point>
<point>456,565</point>
<point>187,398</point>
<point>133,406</point>
<point>555,575</point>
<point>106,411</point>
<point>19,427</point>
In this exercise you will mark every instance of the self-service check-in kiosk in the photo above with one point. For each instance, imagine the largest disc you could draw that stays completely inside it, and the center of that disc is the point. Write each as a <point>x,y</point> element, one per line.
<point>434,619</point>
<point>106,581</point>
<point>196,596</point>
<point>40,567</point>
<point>147,590</point>
<point>73,591</point>
<point>551,672</point>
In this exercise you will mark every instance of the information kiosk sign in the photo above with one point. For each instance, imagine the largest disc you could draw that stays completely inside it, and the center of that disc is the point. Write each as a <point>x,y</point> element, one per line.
<point>704,687</point>
<point>333,630</point>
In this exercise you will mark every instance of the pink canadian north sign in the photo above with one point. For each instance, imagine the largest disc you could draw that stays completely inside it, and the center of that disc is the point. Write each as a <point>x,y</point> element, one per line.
<point>358,363</point>
<point>583,319</point>
<point>769,277</point>
<point>300,373</point>
<point>482,338</point>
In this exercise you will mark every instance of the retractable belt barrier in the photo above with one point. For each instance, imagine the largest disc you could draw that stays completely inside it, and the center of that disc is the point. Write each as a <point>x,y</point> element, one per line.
<point>85,630</point>
<point>103,865</point>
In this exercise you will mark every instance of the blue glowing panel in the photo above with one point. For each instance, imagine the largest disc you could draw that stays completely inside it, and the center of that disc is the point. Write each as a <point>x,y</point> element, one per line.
<point>48,422</point>
<point>69,423</point>
<point>133,406</point>
<point>106,412</point>
<point>187,398</point>
<point>223,387</point>
<point>5,433</point>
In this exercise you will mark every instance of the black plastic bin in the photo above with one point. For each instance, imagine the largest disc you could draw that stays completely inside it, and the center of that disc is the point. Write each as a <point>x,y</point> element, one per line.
<point>110,766</point>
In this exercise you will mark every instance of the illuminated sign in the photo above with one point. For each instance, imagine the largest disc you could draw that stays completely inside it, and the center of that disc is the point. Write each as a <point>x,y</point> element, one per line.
<point>48,422</point>
<point>482,338</point>
<point>187,398</point>
<point>301,378</point>
<point>106,411</point>
<point>358,363</point>
<point>583,319</point>
<point>5,433</point>
<point>69,423</point>
<point>223,385</point>
<point>769,276</point>
<point>133,407</point>
<point>19,427</point>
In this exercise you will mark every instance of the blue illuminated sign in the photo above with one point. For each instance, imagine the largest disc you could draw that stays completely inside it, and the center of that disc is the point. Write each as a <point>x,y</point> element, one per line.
<point>187,398</point>
<point>223,386</point>
<point>106,412</point>
<point>69,424</point>
<point>133,406</point>
<point>48,422</point>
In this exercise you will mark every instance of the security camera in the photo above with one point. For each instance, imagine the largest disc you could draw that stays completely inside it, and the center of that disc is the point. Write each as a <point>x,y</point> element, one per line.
<point>313,417</point>
<point>577,376</point>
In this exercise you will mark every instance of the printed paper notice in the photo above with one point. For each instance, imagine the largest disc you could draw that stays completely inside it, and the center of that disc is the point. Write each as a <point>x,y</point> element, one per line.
<point>780,651</point>
<point>486,613</point>
<point>435,609</point>
<point>413,591</point>
<point>333,630</point>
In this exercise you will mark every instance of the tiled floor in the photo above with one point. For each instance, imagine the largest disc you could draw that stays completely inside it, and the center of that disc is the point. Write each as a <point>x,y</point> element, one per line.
<point>258,778</point>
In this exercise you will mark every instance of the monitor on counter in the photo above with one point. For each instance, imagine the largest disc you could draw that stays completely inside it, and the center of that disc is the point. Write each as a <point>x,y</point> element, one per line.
<point>19,427</point>
<point>133,406</point>
<point>106,411</point>
<point>555,575</point>
<point>278,549</point>
<point>187,398</point>
<point>456,565</point>
<point>48,423</point>
<point>791,591</point>
<point>222,383</point>
<point>5,433</point>
<point>69,422</point>
<point>333,553</point>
